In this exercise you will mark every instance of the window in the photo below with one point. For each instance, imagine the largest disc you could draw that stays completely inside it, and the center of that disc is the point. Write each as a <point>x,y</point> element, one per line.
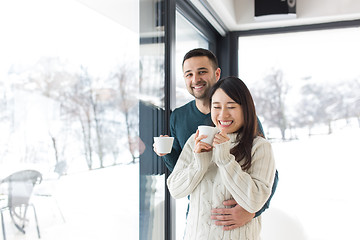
<point>152,105</point>
<point>69,91</point>
<point>306,89</point>
<point>187,38</point>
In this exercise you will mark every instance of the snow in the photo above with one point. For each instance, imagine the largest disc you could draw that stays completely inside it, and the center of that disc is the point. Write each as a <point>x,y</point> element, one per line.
<point>99,204</point>
<point>318,187</point>
<point>316,198</point>
<point>317,194</point>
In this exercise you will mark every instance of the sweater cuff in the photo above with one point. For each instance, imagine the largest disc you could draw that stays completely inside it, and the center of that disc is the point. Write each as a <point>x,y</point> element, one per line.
<point>202,160</point>
<point>222,154</point>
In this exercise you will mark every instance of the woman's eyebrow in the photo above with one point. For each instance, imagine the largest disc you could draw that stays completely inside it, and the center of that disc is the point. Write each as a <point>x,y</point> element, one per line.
<point>226,103</point>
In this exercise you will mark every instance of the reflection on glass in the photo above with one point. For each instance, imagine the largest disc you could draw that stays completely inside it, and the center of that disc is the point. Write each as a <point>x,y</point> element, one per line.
<point>187,38</point>
<point>152,76</point>
<point>306,89</point>
<point>68,98</point>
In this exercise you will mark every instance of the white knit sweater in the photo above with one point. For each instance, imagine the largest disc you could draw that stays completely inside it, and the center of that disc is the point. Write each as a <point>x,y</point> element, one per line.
<point>212,177</point>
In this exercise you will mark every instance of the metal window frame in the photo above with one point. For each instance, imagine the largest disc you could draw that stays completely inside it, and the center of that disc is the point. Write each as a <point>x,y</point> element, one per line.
<point>185,8</point>
<point>170,8</point>
<point>226,49</point>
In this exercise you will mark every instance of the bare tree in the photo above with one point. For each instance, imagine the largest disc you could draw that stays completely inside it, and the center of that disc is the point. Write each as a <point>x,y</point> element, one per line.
<point>350,92</point>
<point>320,104</point>
<point>308,107</point>
<point>90,108</point>
<point>127,103</point>
<point>270,97</point>
<point>46,78</point>
<point>51,79</point>
<point>78,104</point>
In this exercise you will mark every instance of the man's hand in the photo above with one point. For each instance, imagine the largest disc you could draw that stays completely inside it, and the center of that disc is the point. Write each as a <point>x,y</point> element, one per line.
<point>154,148</point>
<point>231,218</point>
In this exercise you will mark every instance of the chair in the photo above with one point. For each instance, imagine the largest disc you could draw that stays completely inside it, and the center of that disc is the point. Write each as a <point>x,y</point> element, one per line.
<point>20,186</point>
<point>48,186</point>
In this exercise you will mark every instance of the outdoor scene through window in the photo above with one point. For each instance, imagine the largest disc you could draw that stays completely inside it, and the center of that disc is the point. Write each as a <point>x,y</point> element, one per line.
<point>69,109</point>
<point>306,88</point>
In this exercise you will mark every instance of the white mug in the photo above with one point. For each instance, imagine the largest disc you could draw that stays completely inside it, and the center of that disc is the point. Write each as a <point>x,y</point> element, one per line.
<point>163,144</point>
<point>209,132</point>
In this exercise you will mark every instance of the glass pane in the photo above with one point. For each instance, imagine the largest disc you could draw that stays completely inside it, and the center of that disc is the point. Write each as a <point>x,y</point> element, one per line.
<point>306,88</point>
<point>152,75</point>
<point>187,38</point>
<point>69,105</point>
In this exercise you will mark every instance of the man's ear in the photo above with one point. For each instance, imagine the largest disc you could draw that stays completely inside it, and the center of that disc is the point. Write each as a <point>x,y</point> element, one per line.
<point>217,74</point>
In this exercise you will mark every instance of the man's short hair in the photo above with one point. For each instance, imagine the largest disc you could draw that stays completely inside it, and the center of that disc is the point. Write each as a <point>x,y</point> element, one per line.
<point>201,52</point>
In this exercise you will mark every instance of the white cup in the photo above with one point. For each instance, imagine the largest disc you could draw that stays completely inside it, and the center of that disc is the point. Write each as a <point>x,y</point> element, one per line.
<point>209,132</point>
<point>163,144</point>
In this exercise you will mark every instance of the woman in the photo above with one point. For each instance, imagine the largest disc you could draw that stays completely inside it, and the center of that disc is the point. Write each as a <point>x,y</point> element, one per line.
<point>239,165</point>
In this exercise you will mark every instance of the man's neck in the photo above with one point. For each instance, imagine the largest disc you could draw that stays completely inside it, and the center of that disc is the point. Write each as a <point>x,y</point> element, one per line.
<point>203,105</point>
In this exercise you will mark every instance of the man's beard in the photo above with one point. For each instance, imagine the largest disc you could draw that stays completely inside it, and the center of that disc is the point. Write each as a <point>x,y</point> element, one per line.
<point>204,95</point>
<point>201,95</point>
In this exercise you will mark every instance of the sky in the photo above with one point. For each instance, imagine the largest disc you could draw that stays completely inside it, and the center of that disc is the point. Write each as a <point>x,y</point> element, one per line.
<point>79,36</point>
<point>322,57</point>
<point>327,55</point>
<point>62,28</point>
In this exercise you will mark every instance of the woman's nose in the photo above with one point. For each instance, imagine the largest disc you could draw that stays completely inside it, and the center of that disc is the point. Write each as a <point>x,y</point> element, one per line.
<point>224,112</point>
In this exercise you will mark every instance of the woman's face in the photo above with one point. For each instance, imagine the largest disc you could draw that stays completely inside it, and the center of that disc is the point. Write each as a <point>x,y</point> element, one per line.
<point>226,114</point>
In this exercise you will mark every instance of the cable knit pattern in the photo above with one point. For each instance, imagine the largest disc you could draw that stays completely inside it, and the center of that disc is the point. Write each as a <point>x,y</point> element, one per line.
<point>212,177</point>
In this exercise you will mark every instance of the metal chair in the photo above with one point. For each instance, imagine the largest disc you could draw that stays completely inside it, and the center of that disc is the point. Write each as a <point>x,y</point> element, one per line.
<point>20,186</point>
<point>48,186</point>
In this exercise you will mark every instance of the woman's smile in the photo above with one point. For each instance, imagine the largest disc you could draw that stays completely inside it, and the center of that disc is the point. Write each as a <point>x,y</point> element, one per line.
<point>225,123</point>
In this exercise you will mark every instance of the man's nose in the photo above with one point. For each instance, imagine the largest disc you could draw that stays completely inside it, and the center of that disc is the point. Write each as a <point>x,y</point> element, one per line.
<point>196,78</point>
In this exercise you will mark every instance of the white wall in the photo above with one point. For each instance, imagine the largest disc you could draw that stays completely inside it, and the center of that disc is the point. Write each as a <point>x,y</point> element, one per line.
<point>117,10</point>
<point>239,14</point>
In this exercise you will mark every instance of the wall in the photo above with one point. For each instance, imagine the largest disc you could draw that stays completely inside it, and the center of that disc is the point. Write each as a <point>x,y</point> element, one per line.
<point>117,10</point>
<point>239,14</point>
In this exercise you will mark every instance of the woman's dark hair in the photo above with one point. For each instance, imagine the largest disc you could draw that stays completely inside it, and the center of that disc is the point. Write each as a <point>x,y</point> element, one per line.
<point>236,89</point>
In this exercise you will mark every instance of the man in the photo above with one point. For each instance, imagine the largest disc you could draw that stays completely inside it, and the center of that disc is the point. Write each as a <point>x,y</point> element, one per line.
<point>201,72</point>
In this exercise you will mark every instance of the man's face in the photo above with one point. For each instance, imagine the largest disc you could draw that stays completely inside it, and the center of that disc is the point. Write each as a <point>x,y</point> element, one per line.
<point>200,76</point>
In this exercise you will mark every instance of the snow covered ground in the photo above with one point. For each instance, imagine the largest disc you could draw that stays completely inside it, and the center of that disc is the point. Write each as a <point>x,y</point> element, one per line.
<point>97,205</point>
<point>316,199</point>
<point>318,191</point>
